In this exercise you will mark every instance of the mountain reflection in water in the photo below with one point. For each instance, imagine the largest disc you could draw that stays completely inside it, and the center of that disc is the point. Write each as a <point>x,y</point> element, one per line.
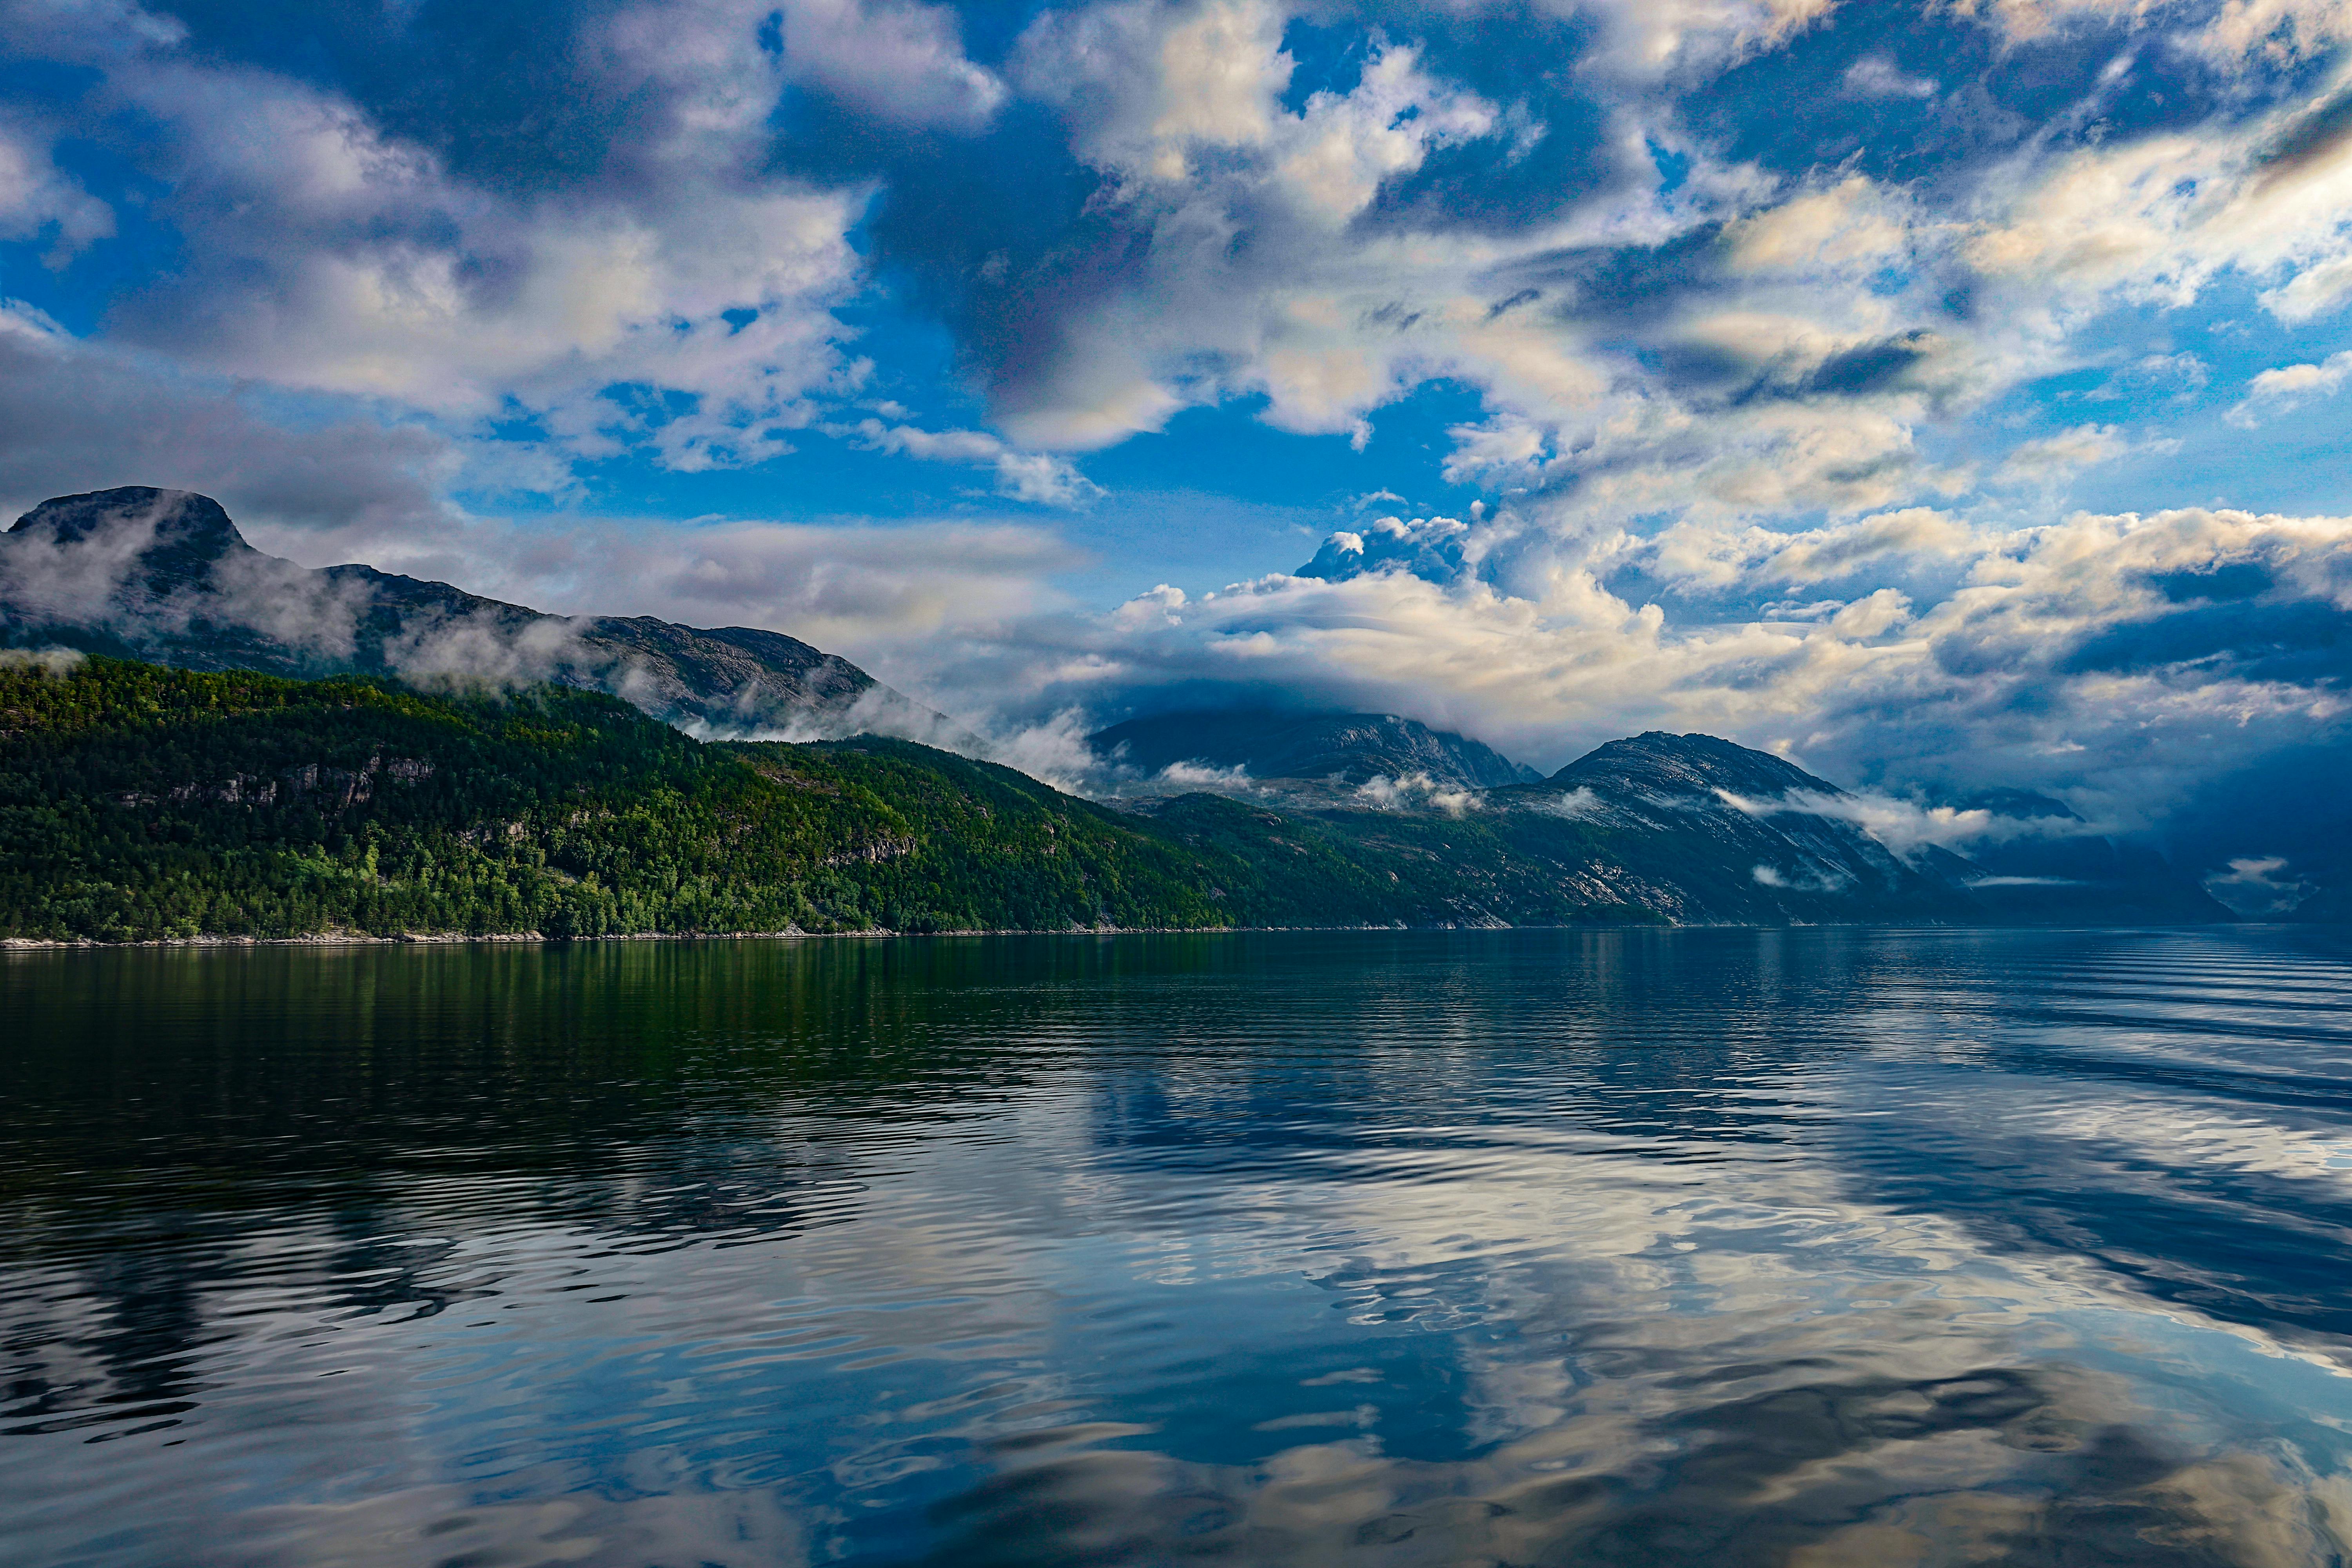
<point>1831,1246</point>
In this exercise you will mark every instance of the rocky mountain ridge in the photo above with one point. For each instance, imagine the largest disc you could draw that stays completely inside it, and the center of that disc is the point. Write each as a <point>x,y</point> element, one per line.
<point>1685,829</point>
<point>1691,827</point>
<point>164,576</point>
<point>139,802</point>
<point>1348,749</point>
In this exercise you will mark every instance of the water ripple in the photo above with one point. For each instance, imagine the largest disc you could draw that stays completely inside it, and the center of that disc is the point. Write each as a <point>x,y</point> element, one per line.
<point>1798,1247</point>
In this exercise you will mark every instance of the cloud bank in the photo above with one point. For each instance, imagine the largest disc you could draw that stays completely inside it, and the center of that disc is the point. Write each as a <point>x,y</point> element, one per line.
<point>1955,429</point>
<point>2111,660</point>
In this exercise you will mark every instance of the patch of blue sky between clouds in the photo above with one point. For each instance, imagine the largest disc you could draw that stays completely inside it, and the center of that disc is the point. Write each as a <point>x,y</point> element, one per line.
<point>1845,378</point>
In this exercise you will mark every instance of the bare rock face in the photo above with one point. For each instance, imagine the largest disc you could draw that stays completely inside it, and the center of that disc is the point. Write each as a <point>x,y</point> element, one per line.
<point>164,575</point>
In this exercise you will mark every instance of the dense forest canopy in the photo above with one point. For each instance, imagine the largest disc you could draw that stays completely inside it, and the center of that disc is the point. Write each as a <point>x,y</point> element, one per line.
<point>138,803</point>
<point>141,803</point>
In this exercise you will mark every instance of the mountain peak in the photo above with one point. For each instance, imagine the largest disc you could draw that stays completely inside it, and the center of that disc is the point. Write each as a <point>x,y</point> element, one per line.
<point>163,574</point>
<point>1666,764</point>
<point>1277,743</point>
<point>186,524</point>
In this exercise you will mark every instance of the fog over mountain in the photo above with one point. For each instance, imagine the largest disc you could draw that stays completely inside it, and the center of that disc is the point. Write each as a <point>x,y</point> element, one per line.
<point>164,576</point>
<point>1189,749</point>
<point>1946,398</point>
<point>148,802</point>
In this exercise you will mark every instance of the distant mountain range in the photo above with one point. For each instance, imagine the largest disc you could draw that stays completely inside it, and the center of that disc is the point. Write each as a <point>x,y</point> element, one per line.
<point>1306,817</point>
<point>143,803</point>
<point>164,576</point>
<point>1352,749</point>
<point>1693,828</point>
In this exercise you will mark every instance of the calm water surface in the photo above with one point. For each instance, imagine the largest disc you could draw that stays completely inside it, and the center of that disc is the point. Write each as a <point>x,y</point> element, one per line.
<point>1734,1248</point>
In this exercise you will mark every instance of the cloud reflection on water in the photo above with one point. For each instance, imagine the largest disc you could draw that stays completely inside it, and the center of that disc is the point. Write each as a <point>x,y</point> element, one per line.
<point>1805,1248</point>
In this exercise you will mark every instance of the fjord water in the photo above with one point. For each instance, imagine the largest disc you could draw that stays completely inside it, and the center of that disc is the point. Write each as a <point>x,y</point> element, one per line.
<point>1811,1247</point>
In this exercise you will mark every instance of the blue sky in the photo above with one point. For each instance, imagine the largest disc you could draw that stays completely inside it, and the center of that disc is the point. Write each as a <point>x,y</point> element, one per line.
<point>1943,393</point>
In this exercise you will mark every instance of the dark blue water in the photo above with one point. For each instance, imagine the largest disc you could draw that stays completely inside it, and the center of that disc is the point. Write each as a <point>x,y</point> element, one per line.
<point>1733,1248</point>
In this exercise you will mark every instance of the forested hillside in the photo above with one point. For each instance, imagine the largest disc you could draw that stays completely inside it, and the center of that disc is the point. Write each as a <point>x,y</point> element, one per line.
<point>139,802</point>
